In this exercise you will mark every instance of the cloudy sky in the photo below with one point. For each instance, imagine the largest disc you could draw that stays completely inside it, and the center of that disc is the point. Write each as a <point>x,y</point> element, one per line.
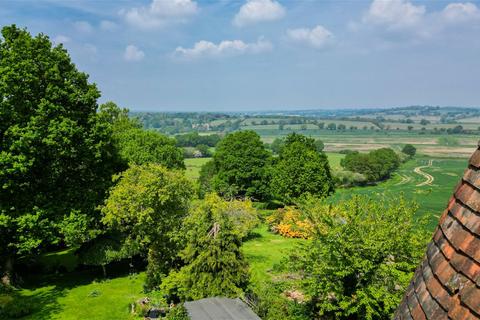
<point>184,55</point>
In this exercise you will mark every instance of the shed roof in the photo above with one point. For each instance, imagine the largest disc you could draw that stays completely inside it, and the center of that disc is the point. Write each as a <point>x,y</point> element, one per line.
<point>219,309</point>
<point>447,283</point>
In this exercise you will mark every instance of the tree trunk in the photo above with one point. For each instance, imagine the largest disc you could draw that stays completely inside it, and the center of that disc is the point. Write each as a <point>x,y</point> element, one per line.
<point>7,271</point>
<point>104,269</point>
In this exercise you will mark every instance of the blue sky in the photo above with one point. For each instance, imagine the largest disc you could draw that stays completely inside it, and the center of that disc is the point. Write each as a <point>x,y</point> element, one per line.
<point>186,55</point>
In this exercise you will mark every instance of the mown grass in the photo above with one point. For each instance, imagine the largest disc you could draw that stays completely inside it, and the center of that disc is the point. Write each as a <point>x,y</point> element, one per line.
<point>264,250</point>
<point>193,166</point>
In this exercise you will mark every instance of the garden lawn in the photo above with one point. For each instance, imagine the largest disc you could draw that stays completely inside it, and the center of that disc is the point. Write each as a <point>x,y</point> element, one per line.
<point>264,250</point>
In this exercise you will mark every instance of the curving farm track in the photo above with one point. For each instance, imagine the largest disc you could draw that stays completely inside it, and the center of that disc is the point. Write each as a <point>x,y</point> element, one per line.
<point>428,177</point>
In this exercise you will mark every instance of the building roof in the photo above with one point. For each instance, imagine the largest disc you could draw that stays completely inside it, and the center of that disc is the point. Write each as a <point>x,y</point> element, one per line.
<point>447,283</point>
<point>219,309</point>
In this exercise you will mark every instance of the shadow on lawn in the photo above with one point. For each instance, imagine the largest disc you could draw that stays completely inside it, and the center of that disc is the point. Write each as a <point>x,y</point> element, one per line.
<point>42,292</point>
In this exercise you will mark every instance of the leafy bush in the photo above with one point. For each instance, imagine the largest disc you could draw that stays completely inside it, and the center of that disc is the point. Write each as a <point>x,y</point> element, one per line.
<point>349,179</point>
<point>177,313</point>
<point>375,166</point>
<point>289,222</point>
<point>409,150</point>
<point>361,258</point>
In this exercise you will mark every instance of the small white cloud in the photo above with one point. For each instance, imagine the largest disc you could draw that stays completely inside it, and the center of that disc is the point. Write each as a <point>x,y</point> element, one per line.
<point>461,12</point>
<point>132,53</point>
<point>317,37</point>
<point>257,11</point>
<point>108,25</point>
<point>394,14</point>
<point>61,39</point>
<point>224,48</point>
<point>160,12</point>
<point>83,26</point>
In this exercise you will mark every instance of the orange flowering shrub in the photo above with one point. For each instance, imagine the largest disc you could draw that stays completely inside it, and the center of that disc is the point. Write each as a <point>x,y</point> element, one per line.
<point>289,222</point>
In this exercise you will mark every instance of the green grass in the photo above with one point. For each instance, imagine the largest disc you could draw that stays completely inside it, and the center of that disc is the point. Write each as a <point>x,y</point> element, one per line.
<point>193,167</point>
<point>432,199</point>
<point>81,295</point>
<point>264,250</point>
<point>334,160</point>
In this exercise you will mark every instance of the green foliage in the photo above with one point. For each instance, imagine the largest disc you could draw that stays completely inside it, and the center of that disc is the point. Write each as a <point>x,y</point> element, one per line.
<point>362,256</point>
<point>177,313</point>
<point>214,264</point>
<point>240,160</point>
<point>409,150</point>
<point>138,146</point>
<point>207,172</point>
<point>271,303</point>
<point>375,166</point>
<point>147,205</point>
<point>193,139</point>
<point>56,153</point>
<point>277,145</point>
<point>300,169</point>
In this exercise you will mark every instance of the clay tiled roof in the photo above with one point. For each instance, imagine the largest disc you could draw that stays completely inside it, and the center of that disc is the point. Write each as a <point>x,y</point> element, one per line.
<point>447,283</point>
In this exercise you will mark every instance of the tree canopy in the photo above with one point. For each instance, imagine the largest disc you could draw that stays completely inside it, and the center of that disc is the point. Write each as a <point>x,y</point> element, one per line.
<point>375,166</point>
<point>409,150</point>
<point>214,264</point>
<point>56,153</point>
<point>240,160</point>
<point>147,205</point>
<point>300,169</point>
<point>361,258</point>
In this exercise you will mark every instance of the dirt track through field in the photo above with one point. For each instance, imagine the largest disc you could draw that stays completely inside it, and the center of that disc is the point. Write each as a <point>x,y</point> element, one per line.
<point>429,178</point>
<point>405,179</point>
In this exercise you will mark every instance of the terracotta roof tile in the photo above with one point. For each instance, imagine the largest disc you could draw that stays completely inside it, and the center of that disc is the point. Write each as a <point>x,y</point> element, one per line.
<point>472,176</point>
<point>447,283</point>
<point>467,217</point>
<point>469,196</point>
<point>470,297</point>
<point>475,159</point>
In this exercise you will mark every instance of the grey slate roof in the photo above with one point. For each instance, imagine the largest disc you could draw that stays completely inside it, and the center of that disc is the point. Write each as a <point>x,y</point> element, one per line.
<point>219,309</point>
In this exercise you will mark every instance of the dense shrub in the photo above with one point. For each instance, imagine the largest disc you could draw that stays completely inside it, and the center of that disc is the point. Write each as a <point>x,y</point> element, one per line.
<point>361,258</point>
<point>376,165</point>
<point>290,222</point>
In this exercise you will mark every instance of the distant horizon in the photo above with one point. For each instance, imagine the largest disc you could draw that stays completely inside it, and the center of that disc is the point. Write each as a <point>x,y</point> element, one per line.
<point>294,109</point>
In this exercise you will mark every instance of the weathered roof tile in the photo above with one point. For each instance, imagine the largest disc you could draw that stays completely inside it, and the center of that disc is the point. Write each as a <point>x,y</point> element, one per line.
<point>447,283</point>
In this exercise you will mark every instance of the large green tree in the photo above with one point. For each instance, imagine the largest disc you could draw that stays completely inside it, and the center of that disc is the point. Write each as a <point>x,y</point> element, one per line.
<point>136,145</point>
<point>214,264</point>
<point>299,169</point>
<point>240,162</point>
<point>56,154</point>
<point>361,257</point>
<point>147,205</point>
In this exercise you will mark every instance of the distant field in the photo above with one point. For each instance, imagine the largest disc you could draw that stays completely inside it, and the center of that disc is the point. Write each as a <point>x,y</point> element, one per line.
<point>431,198</point>
<point>193,166</point>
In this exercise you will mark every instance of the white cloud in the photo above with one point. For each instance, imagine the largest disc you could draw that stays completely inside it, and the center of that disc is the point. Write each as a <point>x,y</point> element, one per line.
<point>394,14</point>
<point>258,10</point>
<point>132,53</point>
<point>224,48</point>
<point>61,39</point>
<point>83,26</point>
<point>317,37</point>
<point>160,12</point>
<point>461,12</point>
<point>108,25</point>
